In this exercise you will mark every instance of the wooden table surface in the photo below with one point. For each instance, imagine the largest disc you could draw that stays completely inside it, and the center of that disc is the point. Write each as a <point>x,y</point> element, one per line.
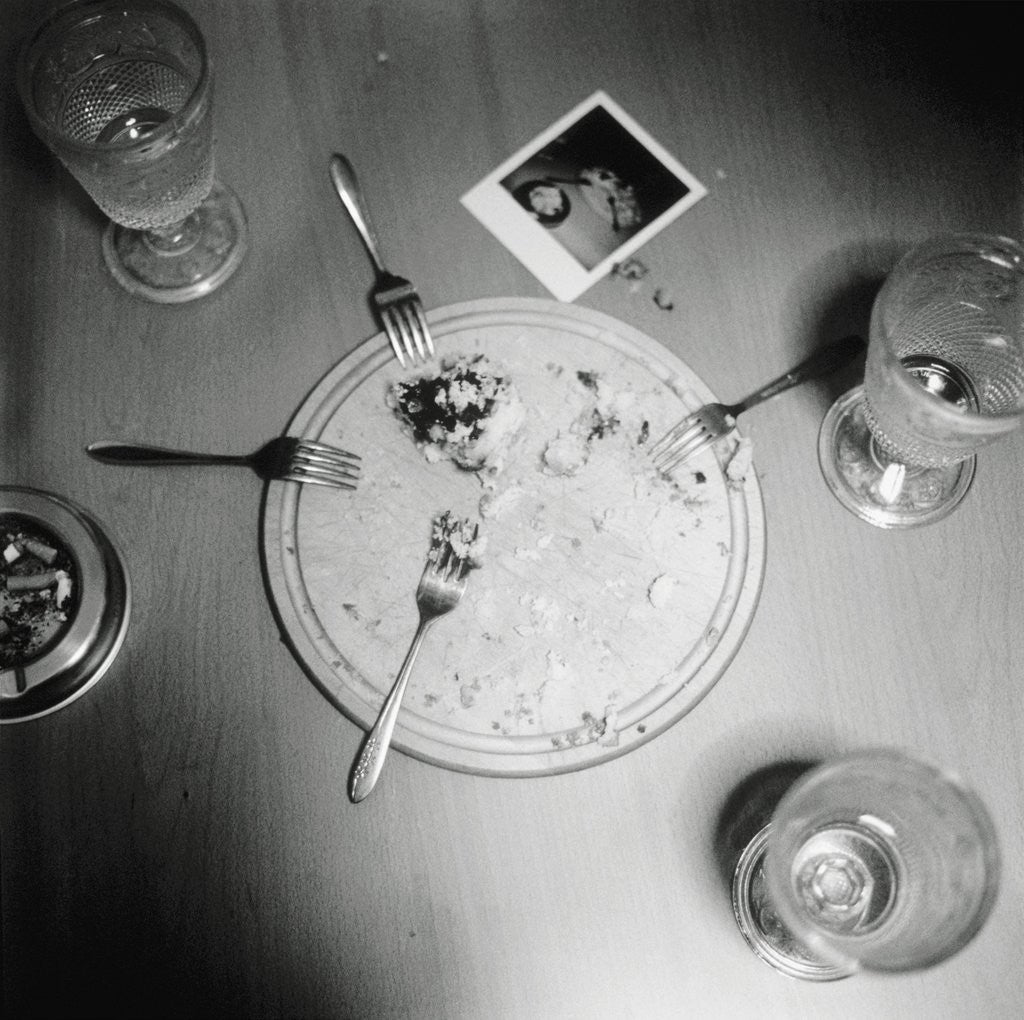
<point>179,841</point>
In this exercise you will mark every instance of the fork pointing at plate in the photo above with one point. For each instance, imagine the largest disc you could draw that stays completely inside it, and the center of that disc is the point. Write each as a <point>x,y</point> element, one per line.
<point>284,458</point>
<point>440,590</point>
<point>396,300</point>
<point>714,421</point>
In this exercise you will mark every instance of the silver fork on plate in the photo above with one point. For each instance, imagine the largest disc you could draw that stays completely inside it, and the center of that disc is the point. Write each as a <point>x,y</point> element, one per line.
<point>713,421</point>
<point>284,458</point>
<point>397,303</point>
<point>440,589</point>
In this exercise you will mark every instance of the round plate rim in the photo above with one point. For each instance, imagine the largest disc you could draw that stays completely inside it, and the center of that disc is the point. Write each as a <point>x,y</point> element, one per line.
<point>280,498</point>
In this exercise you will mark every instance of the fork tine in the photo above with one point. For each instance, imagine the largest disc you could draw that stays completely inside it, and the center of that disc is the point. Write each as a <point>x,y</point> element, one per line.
<point>675,439</point>
<point>689,449</point>
<point>669,438</point>
<point>463,564</point>
<point>306,476</point>
<point>324,472</point>
<point>397,334</point>
<point>406,312</point>
<point>444,558</point>
<point>321,466</point>
<point>394,335</point>
<point>401,329</point>
<point>420,328</point>
<point>326,454</point>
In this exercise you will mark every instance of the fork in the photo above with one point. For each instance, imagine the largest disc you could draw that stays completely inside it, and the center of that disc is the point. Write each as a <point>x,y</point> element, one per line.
<point>284,458</point>
<point>713,421</point>
<point>397,303</point>
<point>440,589</point>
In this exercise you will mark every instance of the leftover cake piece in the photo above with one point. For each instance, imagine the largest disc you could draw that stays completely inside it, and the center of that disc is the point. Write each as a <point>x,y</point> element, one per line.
<point>467,412</point>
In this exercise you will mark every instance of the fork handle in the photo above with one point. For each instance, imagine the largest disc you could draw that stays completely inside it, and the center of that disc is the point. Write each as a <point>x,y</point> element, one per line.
<point>368,765</point>
<point>125,453</point>
<point>346,184</point>
<point>824,361</point>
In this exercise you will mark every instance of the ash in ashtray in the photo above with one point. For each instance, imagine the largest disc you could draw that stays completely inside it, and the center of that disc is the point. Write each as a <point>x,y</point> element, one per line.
<point>38,590</point>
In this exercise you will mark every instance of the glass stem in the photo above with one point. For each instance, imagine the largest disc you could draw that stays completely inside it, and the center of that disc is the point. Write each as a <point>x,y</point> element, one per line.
<point>174,238</point>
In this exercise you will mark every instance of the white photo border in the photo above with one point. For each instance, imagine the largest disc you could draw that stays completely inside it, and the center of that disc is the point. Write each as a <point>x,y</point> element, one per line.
<point>563,275</point>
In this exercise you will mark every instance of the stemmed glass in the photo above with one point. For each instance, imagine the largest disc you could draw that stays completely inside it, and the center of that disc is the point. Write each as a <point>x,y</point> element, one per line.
<point>874,861</point>
<point>121,93</point>
<point>944,377</point>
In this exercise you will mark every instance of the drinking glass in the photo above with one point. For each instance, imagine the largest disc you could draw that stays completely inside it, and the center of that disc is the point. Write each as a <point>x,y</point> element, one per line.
<point>121,93</point>
<point>880,861</point>
<point>944,377</point>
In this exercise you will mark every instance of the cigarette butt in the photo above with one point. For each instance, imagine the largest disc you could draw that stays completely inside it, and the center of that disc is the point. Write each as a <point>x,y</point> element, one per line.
<point>32,582</point>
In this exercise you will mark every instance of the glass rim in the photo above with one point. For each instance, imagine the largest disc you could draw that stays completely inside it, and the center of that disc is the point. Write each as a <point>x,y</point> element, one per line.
<point>959,239</point>
<point>898,761</point>
<point>974,423</point>
<point>898,757</point>
<point>992,423</point>
<point>90,11</point>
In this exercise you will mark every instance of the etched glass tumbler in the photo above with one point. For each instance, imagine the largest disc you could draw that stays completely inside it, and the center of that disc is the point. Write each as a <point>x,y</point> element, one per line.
<point>878,861</point>
<point>944,377</point>
<point>121,93</point>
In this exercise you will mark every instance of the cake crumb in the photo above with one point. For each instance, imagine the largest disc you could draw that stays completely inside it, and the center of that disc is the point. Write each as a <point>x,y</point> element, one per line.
<point>740,461</point>
<point>461,535</point>
<point>661,590</point>
<point>566,454</point>
<point>495,503</point>
<point>609,736</point>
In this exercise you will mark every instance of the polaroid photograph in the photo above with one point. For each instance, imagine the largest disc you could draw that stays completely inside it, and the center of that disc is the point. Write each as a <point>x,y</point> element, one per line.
<point>582,196</point>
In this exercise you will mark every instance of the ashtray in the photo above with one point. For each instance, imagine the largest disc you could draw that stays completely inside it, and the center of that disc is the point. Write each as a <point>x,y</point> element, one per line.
<point>65,601</point>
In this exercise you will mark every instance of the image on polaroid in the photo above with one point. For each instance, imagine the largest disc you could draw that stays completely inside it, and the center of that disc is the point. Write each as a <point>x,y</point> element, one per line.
<point>582,196</point>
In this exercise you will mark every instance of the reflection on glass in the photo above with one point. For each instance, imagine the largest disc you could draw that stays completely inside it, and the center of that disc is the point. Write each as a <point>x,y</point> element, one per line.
<point>122,94</point>
<point>944,377</point>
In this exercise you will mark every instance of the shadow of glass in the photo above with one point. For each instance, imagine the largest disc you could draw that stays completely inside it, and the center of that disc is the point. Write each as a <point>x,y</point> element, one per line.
<point>749,807</point>
<point>834,298</point>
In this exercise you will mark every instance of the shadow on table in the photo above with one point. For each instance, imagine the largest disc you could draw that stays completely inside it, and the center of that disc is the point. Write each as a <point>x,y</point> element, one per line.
<point>749,807</point>
<point>48,200</point>
<point>834,299</point>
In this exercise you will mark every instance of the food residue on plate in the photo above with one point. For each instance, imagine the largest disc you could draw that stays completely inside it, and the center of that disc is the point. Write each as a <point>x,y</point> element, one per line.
<point>601,574</point>
<point>458,534</point>
<point>740,461</point>
<point>661,591</point>
<point>472,414</point>
<point>467,412</point>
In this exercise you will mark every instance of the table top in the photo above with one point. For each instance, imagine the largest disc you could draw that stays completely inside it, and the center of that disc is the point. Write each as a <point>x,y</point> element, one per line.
<point>179,840</point>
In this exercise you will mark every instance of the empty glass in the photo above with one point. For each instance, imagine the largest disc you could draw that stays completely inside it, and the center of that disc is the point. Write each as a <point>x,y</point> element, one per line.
<point>121,93</point>
<point>879,861</point>
<point>944,377</point>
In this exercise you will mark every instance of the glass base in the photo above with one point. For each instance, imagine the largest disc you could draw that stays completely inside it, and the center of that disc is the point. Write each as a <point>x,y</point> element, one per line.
<point>875,488</point>
<point>211,247</point>
<point>766,935</point>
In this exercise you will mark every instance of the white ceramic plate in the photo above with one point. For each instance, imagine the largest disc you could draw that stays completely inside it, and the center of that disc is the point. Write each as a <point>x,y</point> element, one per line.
<point>610,600</point>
